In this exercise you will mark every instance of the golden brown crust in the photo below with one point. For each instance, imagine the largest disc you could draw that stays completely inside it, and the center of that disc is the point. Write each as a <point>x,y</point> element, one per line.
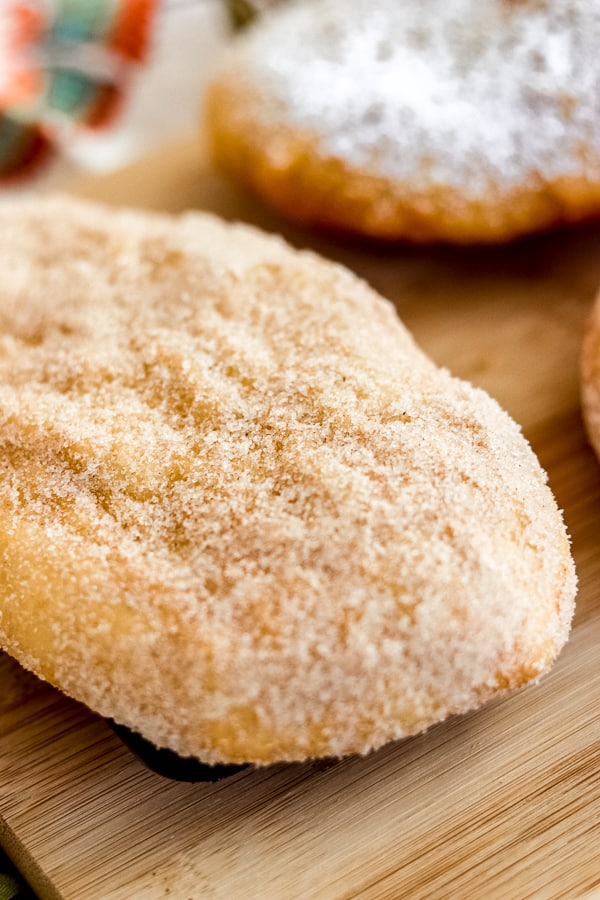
<point>590,377</point>
<point>326,192</point>
<point>307,163</point>
<point>240,511</point>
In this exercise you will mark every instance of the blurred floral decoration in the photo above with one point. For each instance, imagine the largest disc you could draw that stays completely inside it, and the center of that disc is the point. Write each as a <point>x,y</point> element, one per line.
<point>64,68</point>
<point>244,11</point>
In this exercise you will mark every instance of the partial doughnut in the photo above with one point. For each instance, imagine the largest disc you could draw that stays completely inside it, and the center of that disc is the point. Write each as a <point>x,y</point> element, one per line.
<point>590,376</point>
<point>438,120</point>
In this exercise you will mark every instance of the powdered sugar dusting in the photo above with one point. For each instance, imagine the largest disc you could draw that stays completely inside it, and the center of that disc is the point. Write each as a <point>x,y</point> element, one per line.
<point>462,93</point>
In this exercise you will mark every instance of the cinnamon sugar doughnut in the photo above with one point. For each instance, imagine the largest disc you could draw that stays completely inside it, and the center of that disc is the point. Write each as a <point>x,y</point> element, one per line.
<point>590,377</point>
<point>240,511</point>
<point>449,120</point>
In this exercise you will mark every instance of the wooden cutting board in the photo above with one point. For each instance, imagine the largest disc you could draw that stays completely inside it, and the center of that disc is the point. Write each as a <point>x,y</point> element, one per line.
<point>502,803</point>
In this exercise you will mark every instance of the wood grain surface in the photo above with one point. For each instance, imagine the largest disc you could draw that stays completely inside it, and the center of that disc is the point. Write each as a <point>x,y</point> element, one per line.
<point>501,803</point>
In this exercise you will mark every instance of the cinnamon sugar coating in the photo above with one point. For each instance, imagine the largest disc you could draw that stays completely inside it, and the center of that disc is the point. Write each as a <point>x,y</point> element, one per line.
<point>240,511</point>
<point>451,120</point>
<point>590,377</point>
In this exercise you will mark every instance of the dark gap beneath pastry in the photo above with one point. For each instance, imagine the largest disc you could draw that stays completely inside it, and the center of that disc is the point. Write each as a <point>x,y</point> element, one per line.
<point>168,763</point>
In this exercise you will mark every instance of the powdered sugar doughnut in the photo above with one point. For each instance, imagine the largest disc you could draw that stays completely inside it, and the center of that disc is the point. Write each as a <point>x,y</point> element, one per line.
<point>240,511</point>
<point>442,119</point>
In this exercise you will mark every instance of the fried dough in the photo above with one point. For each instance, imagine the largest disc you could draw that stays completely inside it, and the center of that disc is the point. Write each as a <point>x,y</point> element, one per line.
<point>590,377</point>
<point>240,511</point>
<point>438,120</point>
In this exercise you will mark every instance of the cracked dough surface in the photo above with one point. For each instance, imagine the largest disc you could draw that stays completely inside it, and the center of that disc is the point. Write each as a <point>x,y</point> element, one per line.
<point>240,511</point>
